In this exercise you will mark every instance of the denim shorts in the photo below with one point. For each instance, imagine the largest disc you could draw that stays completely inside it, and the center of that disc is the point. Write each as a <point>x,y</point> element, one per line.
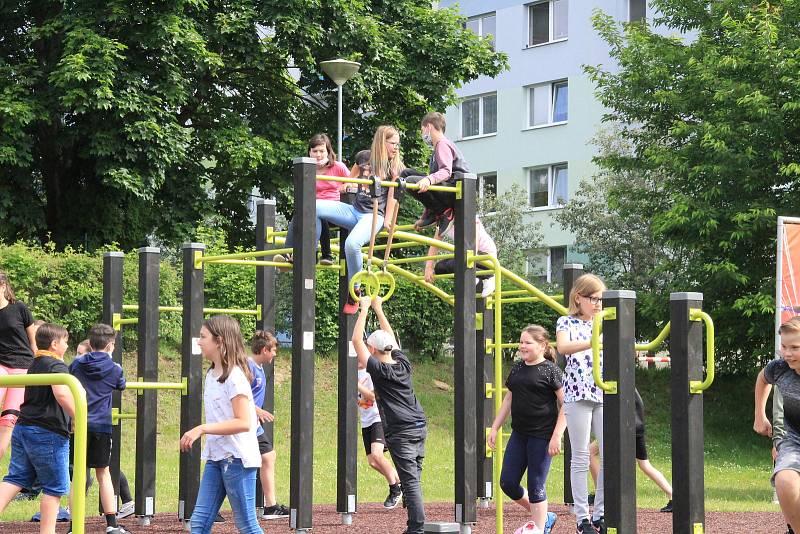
<point>788,456</point>
<point>37,453</point>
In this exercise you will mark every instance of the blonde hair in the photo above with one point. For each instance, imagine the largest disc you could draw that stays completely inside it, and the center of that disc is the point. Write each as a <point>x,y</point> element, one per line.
<point>584,286</point>
<point>379,161</point>
<point>792,326</point>
<point>231,346</point>
<point>541,335</point>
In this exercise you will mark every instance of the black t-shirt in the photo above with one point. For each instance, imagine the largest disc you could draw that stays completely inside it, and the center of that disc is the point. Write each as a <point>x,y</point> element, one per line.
<point>15,348</point>
<point>40,407</point>
<point>534,405</point>
<point>399,407</point>
<point>363,201</point>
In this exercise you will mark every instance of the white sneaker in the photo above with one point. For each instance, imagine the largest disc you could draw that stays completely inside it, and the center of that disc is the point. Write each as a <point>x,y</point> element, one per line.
<point>528,528</point>
<point>488,287</point>
<point>126,510</point>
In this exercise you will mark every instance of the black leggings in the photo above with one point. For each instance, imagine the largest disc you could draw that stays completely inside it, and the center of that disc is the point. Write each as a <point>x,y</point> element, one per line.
<point>525,453</point>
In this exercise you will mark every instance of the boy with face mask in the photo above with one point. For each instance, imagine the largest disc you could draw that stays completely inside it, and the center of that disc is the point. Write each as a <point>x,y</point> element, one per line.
<point>445,161</point>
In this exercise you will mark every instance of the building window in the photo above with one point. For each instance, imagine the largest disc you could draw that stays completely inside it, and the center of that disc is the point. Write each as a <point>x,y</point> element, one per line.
<point>487,185</point>
<point>548,103</point>
<point>637,10</point>
<point>479,116</point>
<point>546,265</point>
<point>547,186</point>
<point>547,21</point>
<point>483,26</point>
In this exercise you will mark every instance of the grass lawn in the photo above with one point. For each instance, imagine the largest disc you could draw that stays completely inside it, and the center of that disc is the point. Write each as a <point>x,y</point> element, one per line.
<point>737,461</point>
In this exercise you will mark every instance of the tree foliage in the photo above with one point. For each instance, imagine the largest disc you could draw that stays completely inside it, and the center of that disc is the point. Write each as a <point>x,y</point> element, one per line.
<point>715,112</point>
<point>121,120</point>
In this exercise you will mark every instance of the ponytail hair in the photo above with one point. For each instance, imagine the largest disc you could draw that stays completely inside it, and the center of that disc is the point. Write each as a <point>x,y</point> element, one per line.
<point>541,335</point>
<point>9,293</point>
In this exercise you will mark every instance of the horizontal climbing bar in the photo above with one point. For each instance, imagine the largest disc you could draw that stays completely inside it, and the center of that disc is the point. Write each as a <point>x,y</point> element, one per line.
<point>385,183</point>
<point>420,259</point>
<point>182,386</point>
<point>521,299</point>
<point>166,309</point>
<point>252,263</point>
<point>401,244</point>
<point>236,256</point>
<point>130,320</point>
<point>519,292</point>
<point>653,345</point>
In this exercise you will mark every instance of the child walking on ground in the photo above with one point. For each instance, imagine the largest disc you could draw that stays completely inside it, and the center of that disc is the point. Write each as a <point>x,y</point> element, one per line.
<point>231,448</point>
<point>265,347</point>
<point>40,441</point>
<point>641,456</point>
<point>535,393</point>
<point>374,437</point>
<point>784,373</point>
<point>100,377</point>
<point>403,418</point>
<point>583,400</point>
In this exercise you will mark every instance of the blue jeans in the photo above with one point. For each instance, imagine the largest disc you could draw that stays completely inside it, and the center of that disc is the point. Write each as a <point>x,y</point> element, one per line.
<point>407,449</point>
<point>38,453</point>
<point>227,477</point>
<point>346,216</point>
<point>525,453</point>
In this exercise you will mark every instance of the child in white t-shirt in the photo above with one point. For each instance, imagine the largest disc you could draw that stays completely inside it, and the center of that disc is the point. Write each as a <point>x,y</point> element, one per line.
<point>374,439</point>
<point>231,448</point>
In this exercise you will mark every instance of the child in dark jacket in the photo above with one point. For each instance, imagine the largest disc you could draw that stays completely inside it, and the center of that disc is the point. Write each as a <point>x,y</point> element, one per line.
<point>100,376</point>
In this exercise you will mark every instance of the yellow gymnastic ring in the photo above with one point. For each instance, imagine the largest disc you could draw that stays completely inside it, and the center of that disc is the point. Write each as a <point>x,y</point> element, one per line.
<point>370,284</point>
<point>386,278</point>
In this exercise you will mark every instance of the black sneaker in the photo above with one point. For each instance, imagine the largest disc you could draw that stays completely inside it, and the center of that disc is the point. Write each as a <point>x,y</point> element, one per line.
<point>277,511</point>
<point>591,499</point>
<point>668,508</point>
<point>600,525</point>
<point>585,527</point>
<point>790,531</point>
<point>394,497</point>
<point>427,218</point>
<point>219,518</point>
<point>326,260</point>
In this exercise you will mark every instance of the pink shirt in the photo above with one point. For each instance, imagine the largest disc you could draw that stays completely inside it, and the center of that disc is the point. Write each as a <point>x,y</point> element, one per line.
<point>328,190</point>
<point>483,241</point>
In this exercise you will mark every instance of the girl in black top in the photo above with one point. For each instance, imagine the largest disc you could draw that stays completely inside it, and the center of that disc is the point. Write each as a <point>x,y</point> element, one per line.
<point>17,346</point>
<point>534,399</point>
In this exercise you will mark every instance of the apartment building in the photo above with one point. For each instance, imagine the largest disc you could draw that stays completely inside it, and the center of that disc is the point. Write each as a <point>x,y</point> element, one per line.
<point>533,124</point>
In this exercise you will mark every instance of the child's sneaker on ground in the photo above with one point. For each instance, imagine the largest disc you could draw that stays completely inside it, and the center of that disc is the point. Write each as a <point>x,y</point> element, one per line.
<point>393,499</point>
<point>551,520</point>
<point>276,511</point>
<point>117,530</point>
<point>126,510</point>
<point>62,517</point>
<point>668,508</point>
<point>585,527</point>
<point>281,258</point>
<point>599,525</point>
<point>219,518</point>
<point>528,528</point>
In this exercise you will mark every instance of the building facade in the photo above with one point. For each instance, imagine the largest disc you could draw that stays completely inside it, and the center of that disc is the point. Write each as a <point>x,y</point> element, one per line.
<point>533,124</point>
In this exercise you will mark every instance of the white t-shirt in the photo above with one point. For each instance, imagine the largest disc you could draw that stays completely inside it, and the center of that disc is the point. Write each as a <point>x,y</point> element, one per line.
<point>367,409</point>
<point>218,408</point>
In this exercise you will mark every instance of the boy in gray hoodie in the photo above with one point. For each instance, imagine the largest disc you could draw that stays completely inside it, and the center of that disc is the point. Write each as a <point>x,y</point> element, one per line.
<point>100,376</point>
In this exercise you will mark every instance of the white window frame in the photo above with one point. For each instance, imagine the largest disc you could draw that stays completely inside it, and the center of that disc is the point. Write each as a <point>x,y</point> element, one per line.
<point>480,18</point>
<point>550,21</point>
<point>482,183</point>
<point>481,114</point>
<point>550,106</point>
<point>551,174</point>
<point>548,255</point>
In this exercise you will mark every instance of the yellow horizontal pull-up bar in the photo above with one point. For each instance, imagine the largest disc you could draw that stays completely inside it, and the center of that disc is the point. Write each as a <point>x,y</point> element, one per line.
<point>165,309</point>
<point>182,386</point>
<point>389,183</point>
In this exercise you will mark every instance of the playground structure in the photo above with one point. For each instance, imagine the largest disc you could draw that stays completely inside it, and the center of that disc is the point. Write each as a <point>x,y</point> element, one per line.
<point>478,374</point>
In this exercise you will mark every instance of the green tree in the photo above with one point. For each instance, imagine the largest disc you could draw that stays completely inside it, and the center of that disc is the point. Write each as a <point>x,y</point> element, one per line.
<point>715,112</point>
<point>121,120</point>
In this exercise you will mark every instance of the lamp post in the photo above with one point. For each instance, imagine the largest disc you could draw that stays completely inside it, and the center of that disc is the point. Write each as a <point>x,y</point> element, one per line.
<point>340,70</point>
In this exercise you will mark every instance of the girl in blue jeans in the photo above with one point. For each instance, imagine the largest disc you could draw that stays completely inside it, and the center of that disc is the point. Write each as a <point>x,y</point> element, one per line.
<point>231,449</point>
<point>535,393</point>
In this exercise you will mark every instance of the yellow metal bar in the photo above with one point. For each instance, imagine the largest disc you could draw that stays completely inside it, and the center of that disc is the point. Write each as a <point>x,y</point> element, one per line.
<point>653,345</point>
<point>402,244</point>
<point>609,387</point>
<point>182,386</point>
<point>116,416</point>
<point>78,506</point>
<point>251,263</point>
<point>238,255</point>
<point>420,259</point>
<point>521,299</point>
<point>386,183</point>
<point>167,309</point>
<point>695,386</point>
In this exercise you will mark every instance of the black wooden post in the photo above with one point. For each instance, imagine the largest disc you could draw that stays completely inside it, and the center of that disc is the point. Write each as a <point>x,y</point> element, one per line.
<point>572,271</point>
<point>464,337</point>
<point>686,352</point>
<point>265,298</point>
<point>484,371</point>
<point>147,369</point>
<point>303,324</point>
<point>112,304</point>
<point>349,428</point>
<point>192,371</point>
<point>619,418</point>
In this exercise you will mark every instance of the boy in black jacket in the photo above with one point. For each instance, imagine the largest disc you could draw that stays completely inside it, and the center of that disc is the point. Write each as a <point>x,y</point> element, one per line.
<point>100,376</point>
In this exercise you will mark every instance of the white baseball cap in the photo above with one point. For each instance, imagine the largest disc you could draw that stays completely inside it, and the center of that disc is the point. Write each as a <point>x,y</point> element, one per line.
<point>381,340</point>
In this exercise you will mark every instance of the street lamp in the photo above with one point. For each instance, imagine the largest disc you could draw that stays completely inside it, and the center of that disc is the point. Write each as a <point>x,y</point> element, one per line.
<point>340,70</point>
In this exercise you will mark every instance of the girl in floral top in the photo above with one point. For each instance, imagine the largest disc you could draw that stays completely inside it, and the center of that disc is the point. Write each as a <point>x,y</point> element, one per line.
<point>583,400</point>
